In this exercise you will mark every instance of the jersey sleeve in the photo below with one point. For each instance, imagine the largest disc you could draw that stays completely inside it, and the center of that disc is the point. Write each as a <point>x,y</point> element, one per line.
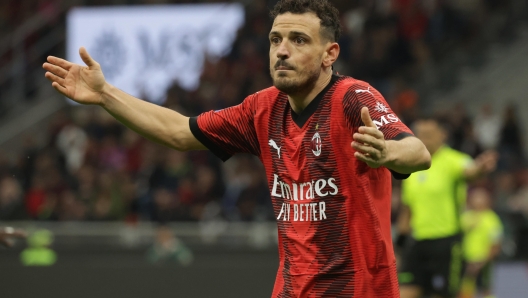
<point>361,95</point>
<point>228,131</point>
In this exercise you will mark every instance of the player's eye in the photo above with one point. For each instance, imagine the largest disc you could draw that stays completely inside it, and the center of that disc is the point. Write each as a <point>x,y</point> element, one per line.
<point>300,40</point>
<point>275,40</point>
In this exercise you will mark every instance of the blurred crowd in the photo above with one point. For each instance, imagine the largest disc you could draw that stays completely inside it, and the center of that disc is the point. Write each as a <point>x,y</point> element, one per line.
<point>93,168</point>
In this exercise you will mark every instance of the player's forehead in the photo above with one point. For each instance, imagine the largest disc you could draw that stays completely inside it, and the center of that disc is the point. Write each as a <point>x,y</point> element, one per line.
<point>307,23</point>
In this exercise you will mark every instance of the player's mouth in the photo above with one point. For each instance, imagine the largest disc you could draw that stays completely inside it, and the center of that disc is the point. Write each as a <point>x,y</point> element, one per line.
<point>283,65</point>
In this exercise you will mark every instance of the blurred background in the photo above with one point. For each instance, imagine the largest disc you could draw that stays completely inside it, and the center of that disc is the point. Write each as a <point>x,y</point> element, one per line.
<point>111,214</point>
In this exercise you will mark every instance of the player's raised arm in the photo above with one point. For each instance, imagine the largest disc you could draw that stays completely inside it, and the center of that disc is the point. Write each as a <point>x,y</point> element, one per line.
<point>403,156</point>
<point>87,85</point>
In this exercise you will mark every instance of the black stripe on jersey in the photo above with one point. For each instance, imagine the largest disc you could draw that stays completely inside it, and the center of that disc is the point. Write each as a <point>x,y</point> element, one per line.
<point>399,176</point>
<point>401,136</point>
<point>310,109</point>
<point>200,136</point>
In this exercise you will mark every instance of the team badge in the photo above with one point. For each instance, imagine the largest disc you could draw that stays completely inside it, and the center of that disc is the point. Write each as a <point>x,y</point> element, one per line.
<point>381,107</point>
<point>317,144</point>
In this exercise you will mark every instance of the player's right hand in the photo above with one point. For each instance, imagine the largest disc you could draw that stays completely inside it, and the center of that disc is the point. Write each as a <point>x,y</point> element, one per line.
<point>83,84</point>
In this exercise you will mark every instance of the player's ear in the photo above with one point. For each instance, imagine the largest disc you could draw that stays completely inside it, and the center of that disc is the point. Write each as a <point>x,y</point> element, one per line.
<point>331,53</point>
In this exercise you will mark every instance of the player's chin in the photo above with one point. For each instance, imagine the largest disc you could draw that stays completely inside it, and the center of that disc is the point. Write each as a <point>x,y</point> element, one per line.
<point>283,74</point>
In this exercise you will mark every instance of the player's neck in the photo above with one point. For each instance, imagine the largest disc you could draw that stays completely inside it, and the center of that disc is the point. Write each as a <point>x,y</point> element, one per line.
<point>299,102</point>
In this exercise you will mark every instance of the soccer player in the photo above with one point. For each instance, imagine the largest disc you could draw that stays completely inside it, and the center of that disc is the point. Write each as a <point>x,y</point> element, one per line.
<point>432,204</point>
<point>481,244</point>
<point>327,142</point>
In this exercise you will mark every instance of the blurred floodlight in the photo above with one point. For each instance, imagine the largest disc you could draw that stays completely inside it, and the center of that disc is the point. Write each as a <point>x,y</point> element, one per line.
<point>145,49</point>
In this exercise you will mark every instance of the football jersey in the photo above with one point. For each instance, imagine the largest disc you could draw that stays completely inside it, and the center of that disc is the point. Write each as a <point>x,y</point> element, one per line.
<point>332,210</point>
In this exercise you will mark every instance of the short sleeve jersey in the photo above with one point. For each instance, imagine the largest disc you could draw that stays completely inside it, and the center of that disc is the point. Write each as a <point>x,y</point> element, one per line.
<point>332,211</point>
<point>436,197</point>
<point>482,230</point>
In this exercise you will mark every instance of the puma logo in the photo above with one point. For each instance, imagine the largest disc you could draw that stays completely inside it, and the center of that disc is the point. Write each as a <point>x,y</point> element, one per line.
<point>364,91</point>
<point>274,145</point>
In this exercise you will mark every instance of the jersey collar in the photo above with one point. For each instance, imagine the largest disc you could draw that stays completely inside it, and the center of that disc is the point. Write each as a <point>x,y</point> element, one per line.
<point>302,118</point>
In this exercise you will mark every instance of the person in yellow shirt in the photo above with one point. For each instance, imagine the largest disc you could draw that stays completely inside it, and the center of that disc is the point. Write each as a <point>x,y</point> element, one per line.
<point>481,244</point>
<point>433,201</point>
<point>38,252</point>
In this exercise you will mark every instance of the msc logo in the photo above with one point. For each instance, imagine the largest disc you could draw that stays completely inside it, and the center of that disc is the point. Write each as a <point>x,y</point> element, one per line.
<point>386,119</point>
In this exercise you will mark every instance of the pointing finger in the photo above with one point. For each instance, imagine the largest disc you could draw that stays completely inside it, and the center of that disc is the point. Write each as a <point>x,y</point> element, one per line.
<point>88,60</point>
<point>365,117</point>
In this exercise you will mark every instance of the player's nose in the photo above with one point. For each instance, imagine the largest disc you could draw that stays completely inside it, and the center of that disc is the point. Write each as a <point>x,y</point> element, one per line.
<point>282,51</point>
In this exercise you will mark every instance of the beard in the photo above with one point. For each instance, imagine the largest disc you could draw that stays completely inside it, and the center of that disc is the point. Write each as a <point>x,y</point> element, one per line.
<point>303,82</point>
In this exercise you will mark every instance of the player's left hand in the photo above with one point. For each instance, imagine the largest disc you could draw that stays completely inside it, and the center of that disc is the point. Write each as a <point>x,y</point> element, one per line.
<point>369,142</point>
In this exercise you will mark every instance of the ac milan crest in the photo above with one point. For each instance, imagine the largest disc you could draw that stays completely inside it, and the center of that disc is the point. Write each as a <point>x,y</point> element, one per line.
<point>317,144</point>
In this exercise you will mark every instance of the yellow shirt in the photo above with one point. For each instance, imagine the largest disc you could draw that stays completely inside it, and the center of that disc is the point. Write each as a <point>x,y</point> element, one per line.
<point>482,230</point>
<point>437,196</point>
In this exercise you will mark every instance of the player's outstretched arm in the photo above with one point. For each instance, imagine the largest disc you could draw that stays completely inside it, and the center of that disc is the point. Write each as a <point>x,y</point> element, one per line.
<point>403,156</point>
<point>87,85</point>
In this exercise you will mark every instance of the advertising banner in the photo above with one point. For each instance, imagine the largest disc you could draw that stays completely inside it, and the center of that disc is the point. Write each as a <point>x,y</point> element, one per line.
<point>143,50</point>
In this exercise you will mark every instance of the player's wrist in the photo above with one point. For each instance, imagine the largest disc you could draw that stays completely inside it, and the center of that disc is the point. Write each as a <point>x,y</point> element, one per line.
<point>106,94</point>
<point>390,157</point>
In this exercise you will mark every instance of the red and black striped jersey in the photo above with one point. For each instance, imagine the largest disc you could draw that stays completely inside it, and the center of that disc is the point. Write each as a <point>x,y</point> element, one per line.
<point>332,210</point>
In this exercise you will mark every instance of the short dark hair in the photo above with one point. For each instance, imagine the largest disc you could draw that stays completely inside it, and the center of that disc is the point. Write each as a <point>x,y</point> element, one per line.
<point>325,11</point>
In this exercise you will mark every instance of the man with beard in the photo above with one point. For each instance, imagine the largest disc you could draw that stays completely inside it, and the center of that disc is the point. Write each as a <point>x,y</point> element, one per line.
<point>328,143</point>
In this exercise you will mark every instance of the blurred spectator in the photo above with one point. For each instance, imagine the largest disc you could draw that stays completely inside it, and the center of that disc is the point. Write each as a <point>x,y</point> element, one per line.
<point>510,142</point>
<point>169,249</point>
<point>487,127</point>
<point>11,199</point>
<point>72,142</point>
<point>39,252</point>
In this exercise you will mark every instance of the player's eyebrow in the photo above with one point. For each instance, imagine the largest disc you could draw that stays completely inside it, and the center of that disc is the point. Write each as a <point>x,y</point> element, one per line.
<point>291,33</point>
<point>274,33</point>
<point>298,33</point>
